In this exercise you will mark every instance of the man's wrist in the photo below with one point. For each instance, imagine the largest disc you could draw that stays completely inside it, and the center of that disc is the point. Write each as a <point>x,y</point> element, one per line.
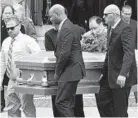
<point>0,85</point>
<point>1,81</point>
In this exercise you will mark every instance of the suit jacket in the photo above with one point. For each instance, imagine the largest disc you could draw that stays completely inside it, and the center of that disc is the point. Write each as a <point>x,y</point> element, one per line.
<point>4,33</point>
<point>120,57</point>
<point>51,36</point>
<point>133,24</point>
<point>50,40</point>
<point>69,63</point>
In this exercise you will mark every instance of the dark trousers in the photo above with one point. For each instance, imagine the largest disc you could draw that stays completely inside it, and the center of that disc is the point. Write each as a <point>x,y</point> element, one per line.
<point>5,83</point>
<point>78,110</point>
<point>65,98</point>
<point>112,102</point>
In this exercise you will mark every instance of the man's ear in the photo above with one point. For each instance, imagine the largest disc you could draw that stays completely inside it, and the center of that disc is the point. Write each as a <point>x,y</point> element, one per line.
<point>58,14</point>
<point>121,12</point>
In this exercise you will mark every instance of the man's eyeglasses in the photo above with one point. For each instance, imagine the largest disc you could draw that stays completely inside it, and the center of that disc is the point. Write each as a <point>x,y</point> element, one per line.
<point>106,14</point>
<point>11,28</point>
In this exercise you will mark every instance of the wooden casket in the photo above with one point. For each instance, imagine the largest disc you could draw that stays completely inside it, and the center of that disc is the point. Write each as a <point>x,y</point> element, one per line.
<point>37,72</point>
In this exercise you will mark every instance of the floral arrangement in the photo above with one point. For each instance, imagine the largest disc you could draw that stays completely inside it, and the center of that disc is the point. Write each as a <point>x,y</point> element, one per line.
<point>95,41</point>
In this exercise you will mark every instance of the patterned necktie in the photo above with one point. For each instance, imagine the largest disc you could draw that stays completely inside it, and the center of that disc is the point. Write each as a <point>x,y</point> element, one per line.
<point>109,36</point>
<point>110,33</point>
<point>9,62</point>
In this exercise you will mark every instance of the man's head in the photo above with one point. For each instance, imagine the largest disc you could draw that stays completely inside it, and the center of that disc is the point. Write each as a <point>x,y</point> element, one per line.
<point>13,26</point>
<point>7,12</point>
<point>111,14</point>
<point>57,14</point>
<point>19,11</point>
<point>95,24</point>
<point>126,13</point>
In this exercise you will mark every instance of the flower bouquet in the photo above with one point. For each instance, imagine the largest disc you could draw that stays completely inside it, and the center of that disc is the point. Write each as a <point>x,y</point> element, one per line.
<point>95,42</point>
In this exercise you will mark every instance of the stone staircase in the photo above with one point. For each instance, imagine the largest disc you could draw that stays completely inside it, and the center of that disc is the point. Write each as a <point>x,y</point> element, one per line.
<point>88,100</point>
<point>40,31</point>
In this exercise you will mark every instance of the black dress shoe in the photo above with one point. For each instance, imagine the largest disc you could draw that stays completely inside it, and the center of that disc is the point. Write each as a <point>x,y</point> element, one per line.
<point>1,110</point>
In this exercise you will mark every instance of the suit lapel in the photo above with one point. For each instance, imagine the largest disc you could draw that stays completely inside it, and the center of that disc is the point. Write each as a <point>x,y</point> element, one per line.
<point>59,33</point>
<point>117,28</point>
<point>109,35</point>
<point>58,37</point>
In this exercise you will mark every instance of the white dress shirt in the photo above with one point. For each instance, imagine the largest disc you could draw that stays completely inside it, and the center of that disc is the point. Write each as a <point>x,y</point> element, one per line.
<point>113,27</point>
<point>22,46</point>
<point>60,25</point>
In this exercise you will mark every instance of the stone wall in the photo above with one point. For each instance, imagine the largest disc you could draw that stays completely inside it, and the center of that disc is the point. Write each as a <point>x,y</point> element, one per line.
<point>3,2</point>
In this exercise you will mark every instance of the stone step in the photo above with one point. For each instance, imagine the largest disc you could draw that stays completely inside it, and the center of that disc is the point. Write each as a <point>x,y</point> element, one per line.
<point>88,100</point>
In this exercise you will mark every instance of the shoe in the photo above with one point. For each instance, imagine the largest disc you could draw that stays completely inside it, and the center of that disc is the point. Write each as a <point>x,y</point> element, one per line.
<point>1,110</point>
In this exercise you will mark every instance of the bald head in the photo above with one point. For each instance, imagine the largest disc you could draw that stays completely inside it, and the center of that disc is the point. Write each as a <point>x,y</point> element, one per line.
<point>57,8</point>
<point>111,15</point>
<point>112,9</point>
<point>57,14</point>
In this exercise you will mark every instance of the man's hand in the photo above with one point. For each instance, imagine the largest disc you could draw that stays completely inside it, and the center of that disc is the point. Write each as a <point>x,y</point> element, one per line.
<point>1,88</point>
<point>121,81</point>
<point>100,77</point>
<point>56,77</point>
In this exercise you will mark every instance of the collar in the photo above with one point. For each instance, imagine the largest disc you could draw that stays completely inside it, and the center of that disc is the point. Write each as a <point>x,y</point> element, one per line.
<point>18,36</point>
<point>55,29</point>
<point>114,26</point>
<point>129,21</point>
<point>60,26</point>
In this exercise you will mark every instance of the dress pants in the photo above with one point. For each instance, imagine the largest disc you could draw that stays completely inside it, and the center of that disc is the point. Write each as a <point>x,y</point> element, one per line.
<point>5,83</point>
<point>78,110</point>
<point>15,101</point>
<point>112,102</point>
<point>65,98</point>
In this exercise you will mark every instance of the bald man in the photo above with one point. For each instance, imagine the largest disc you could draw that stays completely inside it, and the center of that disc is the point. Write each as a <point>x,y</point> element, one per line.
<point>119,72</point>
<point>69,69</point>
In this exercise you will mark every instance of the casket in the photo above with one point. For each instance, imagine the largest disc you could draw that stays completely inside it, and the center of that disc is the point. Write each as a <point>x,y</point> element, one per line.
<point>37,72</point>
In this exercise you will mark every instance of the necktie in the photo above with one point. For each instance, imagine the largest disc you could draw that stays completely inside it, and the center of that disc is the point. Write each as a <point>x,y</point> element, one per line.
<point>109,36</point>
<point>9,62</point>
<point>110,33</point>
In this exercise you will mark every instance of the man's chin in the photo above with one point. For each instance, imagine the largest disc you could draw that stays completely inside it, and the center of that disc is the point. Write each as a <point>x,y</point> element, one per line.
<point>6,19</point>
<point>105,24</point>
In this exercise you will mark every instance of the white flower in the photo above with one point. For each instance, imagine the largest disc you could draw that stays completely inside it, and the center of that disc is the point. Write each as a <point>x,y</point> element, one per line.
<point>95,41</point>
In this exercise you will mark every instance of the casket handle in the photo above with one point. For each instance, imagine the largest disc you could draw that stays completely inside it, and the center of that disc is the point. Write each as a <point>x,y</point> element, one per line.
<point>31,77</point>
<point>19,78</point>
<point>44,82</point>
<point>95,65</point>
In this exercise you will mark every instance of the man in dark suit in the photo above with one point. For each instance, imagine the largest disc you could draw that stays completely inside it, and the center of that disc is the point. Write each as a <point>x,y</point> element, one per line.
<point>119,72</point>
<point>69,68</point>
<point>50,45</point>
<point>126,14</point>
